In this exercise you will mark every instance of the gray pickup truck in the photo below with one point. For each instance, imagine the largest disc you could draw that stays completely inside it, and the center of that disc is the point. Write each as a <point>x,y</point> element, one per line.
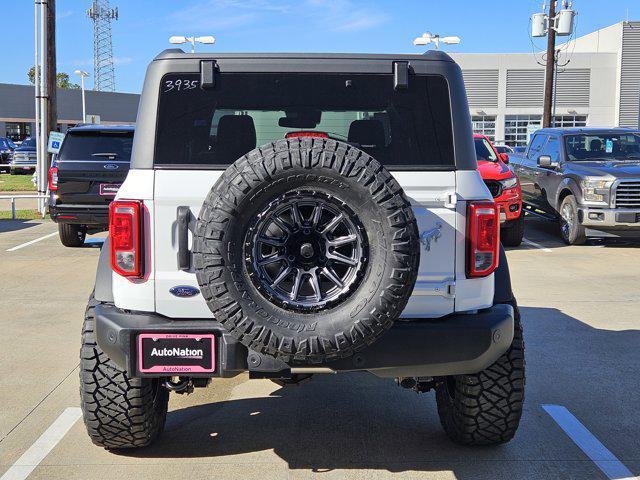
<point>587,178</point>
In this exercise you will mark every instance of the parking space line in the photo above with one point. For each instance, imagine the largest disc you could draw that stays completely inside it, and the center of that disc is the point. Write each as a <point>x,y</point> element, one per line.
<point>31,242</point>
<point>588,443</point>
<point>30,459</point>
<point>537,245</point>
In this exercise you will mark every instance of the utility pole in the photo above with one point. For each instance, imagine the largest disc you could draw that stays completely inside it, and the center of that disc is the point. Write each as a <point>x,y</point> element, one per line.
<point>51,121</point>
<point>550,68</point>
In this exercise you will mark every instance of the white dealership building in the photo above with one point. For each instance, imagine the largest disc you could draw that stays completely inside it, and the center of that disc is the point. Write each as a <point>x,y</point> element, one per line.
<point>599,86</point>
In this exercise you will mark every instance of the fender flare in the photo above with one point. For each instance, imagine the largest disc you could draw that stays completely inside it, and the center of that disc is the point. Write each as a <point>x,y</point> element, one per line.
<point>502,281</point>
<point>103,290</point>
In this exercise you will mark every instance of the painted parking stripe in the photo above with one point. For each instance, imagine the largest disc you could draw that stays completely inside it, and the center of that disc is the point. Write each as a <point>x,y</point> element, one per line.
<point>537,245</point>
<point>43,446</point>
<point>26,244</point>
<point>589,444</point>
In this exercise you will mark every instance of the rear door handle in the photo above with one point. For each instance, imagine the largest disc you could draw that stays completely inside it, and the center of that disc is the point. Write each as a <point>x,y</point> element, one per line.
<point>184,254</point>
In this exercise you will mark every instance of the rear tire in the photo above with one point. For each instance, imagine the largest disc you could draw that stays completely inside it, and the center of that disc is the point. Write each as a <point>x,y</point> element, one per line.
<point>571,231</point>
<point>72,235</point>
<point>119,411</point>
<point>512,233</point>
<point>485,408</point>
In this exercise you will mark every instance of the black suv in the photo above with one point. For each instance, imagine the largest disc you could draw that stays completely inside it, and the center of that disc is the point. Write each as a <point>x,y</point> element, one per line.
<point>84,178</point>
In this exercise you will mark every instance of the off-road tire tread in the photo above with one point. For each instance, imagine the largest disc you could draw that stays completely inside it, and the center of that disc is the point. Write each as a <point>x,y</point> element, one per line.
<point>71,235</point>
<point>252,172</point>
<point>488,405</point>
<point>119,412</point>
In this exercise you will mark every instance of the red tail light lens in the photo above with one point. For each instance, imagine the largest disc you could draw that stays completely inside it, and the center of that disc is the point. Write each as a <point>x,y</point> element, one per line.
<point>53,179</point>
<point>125,232</point>
<point>483,238</point>
<point>306,133</point>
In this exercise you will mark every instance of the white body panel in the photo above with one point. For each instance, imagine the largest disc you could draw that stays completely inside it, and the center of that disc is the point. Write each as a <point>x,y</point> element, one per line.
<point>439,203</point>
<point>139,294</point>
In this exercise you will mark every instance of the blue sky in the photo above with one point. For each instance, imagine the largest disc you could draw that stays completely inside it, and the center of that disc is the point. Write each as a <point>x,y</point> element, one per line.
<point>379,26</point>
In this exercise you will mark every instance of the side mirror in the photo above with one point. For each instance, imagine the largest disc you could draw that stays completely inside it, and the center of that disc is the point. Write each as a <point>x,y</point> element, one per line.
<point>504,157</point>
<point>545,161</point>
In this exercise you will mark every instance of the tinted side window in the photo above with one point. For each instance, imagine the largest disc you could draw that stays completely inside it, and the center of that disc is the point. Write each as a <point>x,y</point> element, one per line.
<point>215,127</point>
<point>552,148</point>
<point>536,146</point>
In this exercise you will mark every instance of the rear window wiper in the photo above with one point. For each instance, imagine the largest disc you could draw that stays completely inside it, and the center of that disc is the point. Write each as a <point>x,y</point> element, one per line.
<point>105,154</point>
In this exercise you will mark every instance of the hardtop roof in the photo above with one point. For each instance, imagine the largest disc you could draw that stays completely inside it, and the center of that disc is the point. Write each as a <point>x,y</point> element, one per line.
<point>430,55</point>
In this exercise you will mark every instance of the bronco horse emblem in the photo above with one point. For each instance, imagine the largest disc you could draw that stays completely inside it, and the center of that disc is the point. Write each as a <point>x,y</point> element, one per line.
<point>428,235</point>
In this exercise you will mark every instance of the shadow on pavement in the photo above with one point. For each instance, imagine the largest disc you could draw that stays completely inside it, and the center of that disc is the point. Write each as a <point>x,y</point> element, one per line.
<point>547,234</point>
<point>359,421</point>
<point>16,225</point>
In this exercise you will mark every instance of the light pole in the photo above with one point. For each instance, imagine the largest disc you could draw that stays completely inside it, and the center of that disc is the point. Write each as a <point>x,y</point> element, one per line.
<point>429,37</point>
<point>207,39</point>
<point>82,74</point>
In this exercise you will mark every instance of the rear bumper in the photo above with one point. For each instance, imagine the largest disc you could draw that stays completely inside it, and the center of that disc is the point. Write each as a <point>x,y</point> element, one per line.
<point>97,216</point>
<point>457,344</point>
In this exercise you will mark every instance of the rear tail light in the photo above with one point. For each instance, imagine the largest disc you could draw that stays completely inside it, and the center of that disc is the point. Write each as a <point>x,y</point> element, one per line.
<point>306,133</point>
<point>125,232</point>
<point>483,238</point>
<point>53,179</point>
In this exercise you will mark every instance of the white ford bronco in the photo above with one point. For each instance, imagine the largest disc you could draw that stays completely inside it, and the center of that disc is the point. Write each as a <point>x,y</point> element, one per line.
<point>288,215</point>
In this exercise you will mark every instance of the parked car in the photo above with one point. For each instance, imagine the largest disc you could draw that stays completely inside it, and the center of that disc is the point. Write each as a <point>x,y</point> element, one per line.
<point>247,238</point>
<point>586,178</point>
<point>501,148</point>
<point>24,157</point>
<point>92,164</point>
<point>6,153</point>
<point>505,188</point>
<point>519,150</point>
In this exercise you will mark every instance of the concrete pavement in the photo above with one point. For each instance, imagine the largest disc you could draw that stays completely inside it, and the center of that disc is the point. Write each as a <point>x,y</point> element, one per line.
<point>580,312</point>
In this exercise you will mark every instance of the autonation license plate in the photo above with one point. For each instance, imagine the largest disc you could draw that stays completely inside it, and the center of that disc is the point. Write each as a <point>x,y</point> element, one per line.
<point>109,189</point>
<point>170,353</point>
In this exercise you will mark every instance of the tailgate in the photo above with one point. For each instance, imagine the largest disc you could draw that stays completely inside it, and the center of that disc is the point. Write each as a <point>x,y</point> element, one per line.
<point>89,182</point>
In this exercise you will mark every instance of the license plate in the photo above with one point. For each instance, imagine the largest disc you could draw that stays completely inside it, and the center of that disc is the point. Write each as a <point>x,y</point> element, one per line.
<point>109,189</point>
<point>171,353</point>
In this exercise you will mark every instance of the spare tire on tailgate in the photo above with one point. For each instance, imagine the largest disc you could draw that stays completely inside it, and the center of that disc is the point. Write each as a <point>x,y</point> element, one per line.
<point>306,249</point>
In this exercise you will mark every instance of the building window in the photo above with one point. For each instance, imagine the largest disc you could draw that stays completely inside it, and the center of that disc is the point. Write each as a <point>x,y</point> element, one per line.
<point>516,127</point>
<point>18,131</point>
<point>484,125</point>
<point>566,121</point>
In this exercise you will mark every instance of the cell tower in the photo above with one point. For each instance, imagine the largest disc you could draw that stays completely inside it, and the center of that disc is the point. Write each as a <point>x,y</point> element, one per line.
<point>102,14</point>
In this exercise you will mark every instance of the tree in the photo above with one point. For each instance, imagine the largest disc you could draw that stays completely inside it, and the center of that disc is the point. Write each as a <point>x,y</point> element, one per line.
<point>62,79</point>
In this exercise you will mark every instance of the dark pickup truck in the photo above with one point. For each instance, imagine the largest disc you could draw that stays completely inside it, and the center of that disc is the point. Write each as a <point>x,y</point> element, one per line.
<point>587,178</point>
<point>92,164</point>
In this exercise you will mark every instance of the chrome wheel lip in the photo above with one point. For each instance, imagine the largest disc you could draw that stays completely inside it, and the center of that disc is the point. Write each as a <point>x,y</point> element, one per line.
<point>299,281</point>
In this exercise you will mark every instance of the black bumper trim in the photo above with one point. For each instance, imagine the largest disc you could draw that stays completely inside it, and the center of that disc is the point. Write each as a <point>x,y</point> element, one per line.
<point>457,344</point>
<point>82,215</point>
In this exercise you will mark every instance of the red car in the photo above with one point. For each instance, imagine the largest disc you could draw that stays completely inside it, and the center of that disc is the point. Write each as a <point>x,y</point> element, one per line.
<point>505,188</point>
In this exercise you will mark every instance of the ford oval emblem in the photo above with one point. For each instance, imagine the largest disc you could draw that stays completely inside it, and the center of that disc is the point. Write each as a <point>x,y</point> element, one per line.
<point>111,166</point>
<point>184,291</point>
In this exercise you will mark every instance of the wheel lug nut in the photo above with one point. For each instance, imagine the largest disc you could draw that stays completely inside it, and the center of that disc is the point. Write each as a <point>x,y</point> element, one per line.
<point>306,231</point>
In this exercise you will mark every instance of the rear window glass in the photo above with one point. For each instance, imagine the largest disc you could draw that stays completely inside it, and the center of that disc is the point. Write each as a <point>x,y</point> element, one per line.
<point>400,128</point>
<point>97,146</point>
